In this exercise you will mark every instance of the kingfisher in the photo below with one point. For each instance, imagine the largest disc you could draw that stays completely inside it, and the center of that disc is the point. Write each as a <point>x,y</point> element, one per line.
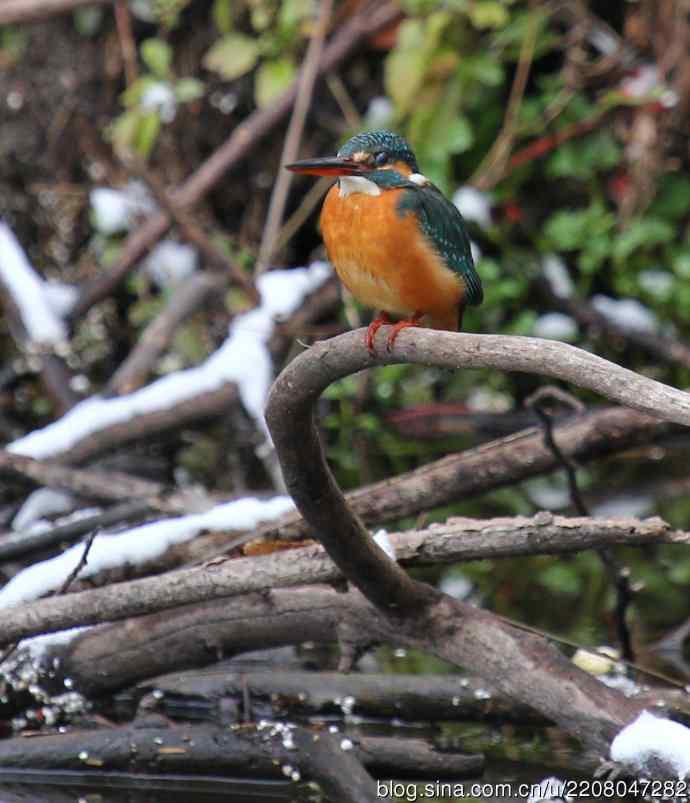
<point>397,243</point>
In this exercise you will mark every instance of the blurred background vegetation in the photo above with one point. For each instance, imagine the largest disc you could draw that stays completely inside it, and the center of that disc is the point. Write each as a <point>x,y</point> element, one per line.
<point>560,130</point>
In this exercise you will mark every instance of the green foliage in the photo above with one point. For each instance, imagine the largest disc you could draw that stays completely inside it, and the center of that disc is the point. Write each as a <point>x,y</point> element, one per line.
<point>587,231</point>
<point>232,56</point>
<point>88,20</point>
<point>157,56</point>
<point>150,101</point>
<point>270,49</point>
<point>273,78</point>
<point>585,158</point>
<point>13,44</point>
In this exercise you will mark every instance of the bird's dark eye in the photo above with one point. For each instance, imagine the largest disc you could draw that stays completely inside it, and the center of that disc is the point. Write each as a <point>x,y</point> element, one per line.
<point>380,158</point>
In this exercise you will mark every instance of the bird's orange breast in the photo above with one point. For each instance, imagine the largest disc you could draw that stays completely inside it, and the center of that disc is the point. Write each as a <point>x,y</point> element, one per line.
<point>385,261</point>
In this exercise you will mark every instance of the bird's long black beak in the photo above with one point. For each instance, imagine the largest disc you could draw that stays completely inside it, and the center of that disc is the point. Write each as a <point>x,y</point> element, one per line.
<point>329,166</point>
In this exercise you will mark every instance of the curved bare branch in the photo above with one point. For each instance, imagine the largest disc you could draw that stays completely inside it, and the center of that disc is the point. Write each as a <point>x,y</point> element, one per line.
<point>524,666</point>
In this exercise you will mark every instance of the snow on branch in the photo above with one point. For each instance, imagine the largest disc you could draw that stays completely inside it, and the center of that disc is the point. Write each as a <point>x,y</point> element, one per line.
<point>29,293</point>
<point>243,359</point>
<point>650,745</point>
<point>139,545</point>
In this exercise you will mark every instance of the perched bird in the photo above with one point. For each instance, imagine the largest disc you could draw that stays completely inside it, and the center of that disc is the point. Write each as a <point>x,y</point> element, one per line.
<point>396,242</point>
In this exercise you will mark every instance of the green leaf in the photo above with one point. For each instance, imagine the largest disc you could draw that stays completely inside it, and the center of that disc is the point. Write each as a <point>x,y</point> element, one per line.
<point>232,56</point>
<point>148,128</point>
<point>132,95</point>
<point>188,89</point>
<point>568,230</point>
<point>584,159</point>
<point>222,15</point>
<point>157,55</point>
<point>294,12</point>
<point>681,264</point>
<point>642,233</point>
<point>482,67</point>
<point>88,20</point>
<point>458,135</point>
<point>565,230</point>
<point>123,130</point>
<point>405,65</point>
<point>488,15</point>
<point>673,198</point>
<point>561,577</point>
<point>596,251</point>
<point>272,79</point>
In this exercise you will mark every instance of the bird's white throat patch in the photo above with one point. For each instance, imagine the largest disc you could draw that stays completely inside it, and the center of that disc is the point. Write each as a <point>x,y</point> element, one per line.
<point>352,184</point>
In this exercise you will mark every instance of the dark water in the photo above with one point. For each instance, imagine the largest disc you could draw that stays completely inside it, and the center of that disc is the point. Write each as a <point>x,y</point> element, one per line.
<point>74,787</point>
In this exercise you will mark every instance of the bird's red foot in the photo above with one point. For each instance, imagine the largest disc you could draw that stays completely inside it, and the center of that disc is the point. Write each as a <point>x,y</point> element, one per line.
<point>399,326</point>
<point>373,328</point>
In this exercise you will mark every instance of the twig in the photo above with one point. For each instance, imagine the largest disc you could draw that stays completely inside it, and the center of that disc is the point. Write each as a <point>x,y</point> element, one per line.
<point>83,560</point>
<point>56,378</point>
<point>342,97</point>
<point>620,578</point>
<point>158,335</point>
<point>123,22</point>
<point>669,350</point>
<point>37,328</point>
<point>206,404</point>
<point>110,485</point>
<point>543,145</point>
<point>466,472</point>
<point>514,663</point>
<point>190,229</point>
<point>620,575</point>
<point>339,772</point>
<point>205,393</point>
<point>14,11</point>
<point>242,141</point>
<point>300,215</point>
<point>17,544</point>
<point>536,403</point>
<point>476,471</point>
<point>493,165</point>
<point>281,187</point>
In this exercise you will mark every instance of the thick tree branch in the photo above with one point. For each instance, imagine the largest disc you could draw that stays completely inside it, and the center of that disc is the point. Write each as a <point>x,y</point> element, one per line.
<point>290,417</point>
<point>457,632</point>
<point>252,751</point>
<point>513,663</point>
<point>457,540</point>
<point>595,434</point>
<point>306,693</point>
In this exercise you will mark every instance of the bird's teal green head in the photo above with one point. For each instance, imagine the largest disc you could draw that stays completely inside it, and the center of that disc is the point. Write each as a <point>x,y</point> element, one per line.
<point>380,149</point>
<point>381,156</point>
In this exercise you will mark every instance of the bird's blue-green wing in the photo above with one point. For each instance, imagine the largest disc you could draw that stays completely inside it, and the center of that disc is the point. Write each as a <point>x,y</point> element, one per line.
<point>443,225</point>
